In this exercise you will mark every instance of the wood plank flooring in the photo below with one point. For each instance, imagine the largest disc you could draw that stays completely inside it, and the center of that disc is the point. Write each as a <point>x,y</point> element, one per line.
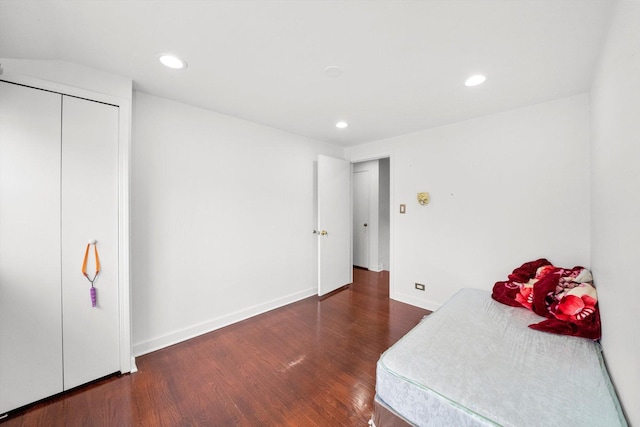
<point>311,363</point>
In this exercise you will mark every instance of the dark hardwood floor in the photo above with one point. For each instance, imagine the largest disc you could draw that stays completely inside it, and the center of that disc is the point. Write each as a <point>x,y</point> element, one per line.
<point>311,363</point>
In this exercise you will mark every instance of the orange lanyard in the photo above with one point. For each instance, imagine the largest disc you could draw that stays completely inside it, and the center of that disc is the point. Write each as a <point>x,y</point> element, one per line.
<point>84,270</point>
<point>84,263</point>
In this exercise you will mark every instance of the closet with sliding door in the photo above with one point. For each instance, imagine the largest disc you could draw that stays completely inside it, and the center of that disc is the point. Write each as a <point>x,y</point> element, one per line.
<point>60,197</point>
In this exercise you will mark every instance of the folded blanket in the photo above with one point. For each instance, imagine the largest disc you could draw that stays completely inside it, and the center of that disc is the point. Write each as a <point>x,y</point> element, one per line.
<point>566,297</point>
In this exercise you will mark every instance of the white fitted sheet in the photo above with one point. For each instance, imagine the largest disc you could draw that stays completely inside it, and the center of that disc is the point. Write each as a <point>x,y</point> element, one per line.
<point>474,362</point>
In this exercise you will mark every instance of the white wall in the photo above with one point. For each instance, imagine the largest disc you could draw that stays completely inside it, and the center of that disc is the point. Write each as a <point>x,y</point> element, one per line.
<point>505,189</point>
<point>222,218</point>
<point>615,201</point>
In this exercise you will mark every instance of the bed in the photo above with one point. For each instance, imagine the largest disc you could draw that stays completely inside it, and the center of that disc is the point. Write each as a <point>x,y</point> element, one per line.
<point>475,362</point>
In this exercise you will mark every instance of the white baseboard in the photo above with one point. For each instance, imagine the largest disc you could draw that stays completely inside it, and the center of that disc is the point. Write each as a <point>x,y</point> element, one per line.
<point>376,268</point>
<point>134,367</point>
<point>407,299</point>
<point>196,330</point>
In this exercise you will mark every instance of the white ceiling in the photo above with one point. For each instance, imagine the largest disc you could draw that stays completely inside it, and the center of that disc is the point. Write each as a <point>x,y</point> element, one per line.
<point>404,62</point>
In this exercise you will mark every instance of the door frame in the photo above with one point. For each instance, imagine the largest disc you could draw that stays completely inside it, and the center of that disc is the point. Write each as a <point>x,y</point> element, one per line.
<point>127,362</point>
<point>377,156</point>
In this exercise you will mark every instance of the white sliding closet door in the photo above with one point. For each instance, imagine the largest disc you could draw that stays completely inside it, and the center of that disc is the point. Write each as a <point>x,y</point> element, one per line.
<point>89,211</point>
<point>30,309</point>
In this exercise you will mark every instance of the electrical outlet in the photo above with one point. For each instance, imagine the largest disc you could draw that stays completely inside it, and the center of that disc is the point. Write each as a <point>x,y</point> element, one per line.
<point>420,286</point>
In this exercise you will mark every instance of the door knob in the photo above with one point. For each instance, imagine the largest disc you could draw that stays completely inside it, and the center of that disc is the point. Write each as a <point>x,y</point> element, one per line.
<point>323,233</point>
<point>365,224</point>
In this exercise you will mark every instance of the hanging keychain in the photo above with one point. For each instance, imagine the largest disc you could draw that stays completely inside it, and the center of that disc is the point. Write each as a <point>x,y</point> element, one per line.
<point>84,269</point>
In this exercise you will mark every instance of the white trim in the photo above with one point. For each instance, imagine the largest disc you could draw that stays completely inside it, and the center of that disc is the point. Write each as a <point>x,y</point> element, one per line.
<point>350,220</point>
<point>127,363</point>
<point>134,367</point>
<point>392,228</point>
<point>124,149</point>
<point>62,89</point>
<point>408,299</point>
<point>376,268</point>
<point>385,154</point>
<point>211,325</point>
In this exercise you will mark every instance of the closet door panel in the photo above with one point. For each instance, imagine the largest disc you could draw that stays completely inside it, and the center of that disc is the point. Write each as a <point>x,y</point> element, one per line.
<point>30,290</point>
<point>89,211</point>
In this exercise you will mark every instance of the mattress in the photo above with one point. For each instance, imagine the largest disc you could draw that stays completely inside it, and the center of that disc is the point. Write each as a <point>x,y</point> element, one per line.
<point>383,415</point>
<point>475,362</point>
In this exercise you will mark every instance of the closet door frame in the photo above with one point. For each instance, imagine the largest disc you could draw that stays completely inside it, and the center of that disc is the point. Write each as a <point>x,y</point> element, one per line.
<point>127,362</point>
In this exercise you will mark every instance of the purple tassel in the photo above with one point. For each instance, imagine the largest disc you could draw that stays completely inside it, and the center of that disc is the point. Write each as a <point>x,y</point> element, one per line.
<point>93,296</point>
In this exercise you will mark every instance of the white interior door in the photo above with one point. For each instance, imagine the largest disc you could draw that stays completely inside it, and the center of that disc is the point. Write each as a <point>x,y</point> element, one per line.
<point>30,310</point>
<point>361,218</point>
<point>89,211</point>
<point>334,224</point>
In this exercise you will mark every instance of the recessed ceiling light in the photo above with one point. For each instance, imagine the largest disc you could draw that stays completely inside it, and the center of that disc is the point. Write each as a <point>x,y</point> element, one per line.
<point>475,80</point>
<point>172,61</point>
<point>333,71</point>
<point>342,125</point>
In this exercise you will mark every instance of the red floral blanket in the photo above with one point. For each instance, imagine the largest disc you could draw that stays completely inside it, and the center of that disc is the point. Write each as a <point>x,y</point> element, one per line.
<point>566,297</point>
